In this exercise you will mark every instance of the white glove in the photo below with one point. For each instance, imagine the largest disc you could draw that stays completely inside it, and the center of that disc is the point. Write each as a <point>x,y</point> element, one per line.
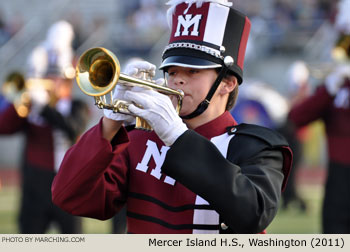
<point>137,68</point>
<point>158,110</point>
<point>335,80</point>
<point>118,94</point>
<point>134,69</point>
<point>39,97</point>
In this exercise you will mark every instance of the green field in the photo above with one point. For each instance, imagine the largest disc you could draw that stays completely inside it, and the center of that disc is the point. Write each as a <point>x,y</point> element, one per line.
<point>9,201</point>
<point>289,221</point>
<point>293,221</point>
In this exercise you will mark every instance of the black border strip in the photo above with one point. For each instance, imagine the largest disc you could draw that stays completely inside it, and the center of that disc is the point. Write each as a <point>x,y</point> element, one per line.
<point>167,207</point>
<point>171,226</point>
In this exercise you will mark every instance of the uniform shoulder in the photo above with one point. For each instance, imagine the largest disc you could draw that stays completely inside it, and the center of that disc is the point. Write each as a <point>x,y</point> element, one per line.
<point>269,136</point>
<point>250,140</point>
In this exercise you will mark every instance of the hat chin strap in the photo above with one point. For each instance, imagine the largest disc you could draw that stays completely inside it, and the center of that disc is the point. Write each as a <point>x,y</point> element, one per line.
<point>205,103</point>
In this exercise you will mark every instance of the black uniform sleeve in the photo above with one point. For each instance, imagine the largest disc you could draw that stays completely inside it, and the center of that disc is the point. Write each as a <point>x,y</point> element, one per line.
<point>73,124</point>
<point>57,120</point>
<point>244,189</point>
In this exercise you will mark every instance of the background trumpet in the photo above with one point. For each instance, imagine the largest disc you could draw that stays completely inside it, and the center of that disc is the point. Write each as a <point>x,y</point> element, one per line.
<point>14,91</point>
<point>17,90</point>
<point>98,72</point>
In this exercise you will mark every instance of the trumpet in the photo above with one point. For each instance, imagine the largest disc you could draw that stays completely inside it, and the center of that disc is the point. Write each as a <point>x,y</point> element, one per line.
<point>97,74</point>
<point>14,84</point>
<point>17,90</point>
<point>341,51</point>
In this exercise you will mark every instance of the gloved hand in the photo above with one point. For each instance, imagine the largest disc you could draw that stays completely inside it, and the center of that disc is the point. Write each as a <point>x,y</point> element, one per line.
<point>136,69</point>
<point>132,69</point>
<point>158,110</point>
<point>335,80</point>
<point>39,97</point>
<point>118,94</point>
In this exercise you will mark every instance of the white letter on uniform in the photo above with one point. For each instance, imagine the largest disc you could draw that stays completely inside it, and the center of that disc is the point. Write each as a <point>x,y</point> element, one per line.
<point>152,151</point>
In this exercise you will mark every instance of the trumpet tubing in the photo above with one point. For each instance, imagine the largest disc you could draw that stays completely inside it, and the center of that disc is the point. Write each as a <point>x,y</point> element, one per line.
<point>97,74</point>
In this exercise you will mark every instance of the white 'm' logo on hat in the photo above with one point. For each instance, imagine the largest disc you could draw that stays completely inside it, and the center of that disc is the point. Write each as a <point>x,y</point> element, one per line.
<point>187,22</point>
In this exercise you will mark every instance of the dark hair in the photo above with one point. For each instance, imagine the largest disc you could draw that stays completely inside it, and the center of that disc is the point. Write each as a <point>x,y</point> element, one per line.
<point>232,98</point>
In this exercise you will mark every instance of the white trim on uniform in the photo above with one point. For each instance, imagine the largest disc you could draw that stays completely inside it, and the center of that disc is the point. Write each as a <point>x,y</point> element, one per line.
<point>210,217</point>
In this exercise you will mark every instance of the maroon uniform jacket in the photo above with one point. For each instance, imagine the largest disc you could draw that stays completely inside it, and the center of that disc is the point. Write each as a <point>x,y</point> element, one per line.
<point>335,113</point>
<point>39,144</point>
<point>47,135</point>
<point>217,178</point>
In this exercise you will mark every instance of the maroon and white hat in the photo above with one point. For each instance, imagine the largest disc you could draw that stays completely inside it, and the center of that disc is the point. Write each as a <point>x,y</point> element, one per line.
<point>203,33</point>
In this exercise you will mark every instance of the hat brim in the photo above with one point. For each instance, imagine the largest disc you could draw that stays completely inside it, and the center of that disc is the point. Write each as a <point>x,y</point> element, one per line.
<point>186,61</point>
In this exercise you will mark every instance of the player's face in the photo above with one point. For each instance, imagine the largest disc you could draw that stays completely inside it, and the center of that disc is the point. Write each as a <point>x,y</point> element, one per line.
<point>195,83</point>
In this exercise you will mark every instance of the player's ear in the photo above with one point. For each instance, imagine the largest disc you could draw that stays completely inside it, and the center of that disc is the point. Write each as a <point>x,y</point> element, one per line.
<point>228,84</point>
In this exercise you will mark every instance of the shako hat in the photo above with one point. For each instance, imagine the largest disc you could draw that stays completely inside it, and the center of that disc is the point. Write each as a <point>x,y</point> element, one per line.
<point>203,33</point>
<point>341,50</point>
<point>54,56</point>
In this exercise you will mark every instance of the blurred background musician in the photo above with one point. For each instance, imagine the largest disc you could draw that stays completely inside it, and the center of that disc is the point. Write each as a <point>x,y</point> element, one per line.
<point>331,103</point>
<point>51,122</point>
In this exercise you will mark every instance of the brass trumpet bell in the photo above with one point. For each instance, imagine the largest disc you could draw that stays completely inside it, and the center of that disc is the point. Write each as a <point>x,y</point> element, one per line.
<point>98,71</point>
<point>14,91</point>
<point>17,91</point>
<point>97,74</point>
<point>13,85</point>
<point>341,52</point>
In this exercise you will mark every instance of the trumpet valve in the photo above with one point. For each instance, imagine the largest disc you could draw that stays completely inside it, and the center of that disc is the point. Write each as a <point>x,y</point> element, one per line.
<point>146,75</point>
<point>98,102</point>
<point>120,106</point>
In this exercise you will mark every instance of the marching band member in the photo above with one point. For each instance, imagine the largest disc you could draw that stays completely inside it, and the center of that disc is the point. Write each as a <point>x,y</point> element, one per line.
<point>331,104</point>
<point>197,172</point>
<point>52,125</point>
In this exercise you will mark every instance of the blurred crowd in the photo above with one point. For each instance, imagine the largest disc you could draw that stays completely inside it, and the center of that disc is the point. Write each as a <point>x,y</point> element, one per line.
<point>9,27</point>
<point>144,23</point>
<point>278,26</point>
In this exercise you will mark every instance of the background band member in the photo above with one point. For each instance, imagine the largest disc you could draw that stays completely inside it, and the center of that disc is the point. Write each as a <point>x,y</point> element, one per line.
<point>52,124</point>
<point>331,104</point>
